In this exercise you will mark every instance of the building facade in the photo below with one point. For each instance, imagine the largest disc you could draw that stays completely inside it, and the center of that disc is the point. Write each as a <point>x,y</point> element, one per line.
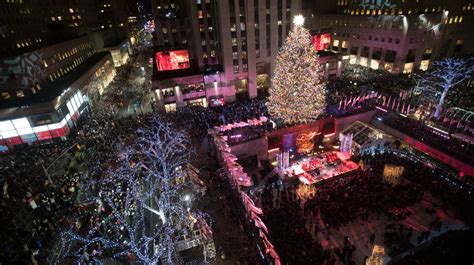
<point>50,113</point>
<point>231,47</point>
<point>398,36</point>
<point>55,57</point>
<point>27,25</point>
<point>43,93</point>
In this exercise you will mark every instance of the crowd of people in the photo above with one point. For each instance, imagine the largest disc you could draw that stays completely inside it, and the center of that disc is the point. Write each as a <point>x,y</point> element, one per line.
<point>32,207</point>
<point>245,110</point>
<point>358,195</point>
<point>286,222</point>
<point>434,138</point>
<point>35,207</point>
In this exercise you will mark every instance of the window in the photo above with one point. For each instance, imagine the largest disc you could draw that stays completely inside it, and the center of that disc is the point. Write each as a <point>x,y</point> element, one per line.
<point>6,95</point>
<point>408,68</point>
<point>424,65</point>
<point>20,94</point>
<point>170,107</point>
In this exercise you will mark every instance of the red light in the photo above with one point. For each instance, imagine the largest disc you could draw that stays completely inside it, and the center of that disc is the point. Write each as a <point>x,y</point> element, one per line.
<point>322,41</point>
<point>172,60</point>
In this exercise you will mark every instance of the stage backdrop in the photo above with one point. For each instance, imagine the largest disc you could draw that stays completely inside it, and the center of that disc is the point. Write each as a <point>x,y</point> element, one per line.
<point>286,138</point>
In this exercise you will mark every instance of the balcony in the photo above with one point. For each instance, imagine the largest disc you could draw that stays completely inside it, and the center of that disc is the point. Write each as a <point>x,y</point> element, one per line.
<point>194,94</point>
<point>169,99</point>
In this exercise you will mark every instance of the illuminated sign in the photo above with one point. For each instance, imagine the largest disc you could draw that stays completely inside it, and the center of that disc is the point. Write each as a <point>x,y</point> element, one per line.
<point>172,60</point>
<point>20,130</point>
<point>216,101</point>
<point>322,41</point>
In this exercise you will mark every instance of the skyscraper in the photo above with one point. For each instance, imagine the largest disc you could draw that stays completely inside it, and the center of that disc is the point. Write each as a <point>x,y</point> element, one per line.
<point>55,56</point>
<point>398,36</point>
<point>231,44</point>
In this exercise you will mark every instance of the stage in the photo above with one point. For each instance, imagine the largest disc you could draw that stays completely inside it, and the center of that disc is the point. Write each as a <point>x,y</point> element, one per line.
<point>313,169</point>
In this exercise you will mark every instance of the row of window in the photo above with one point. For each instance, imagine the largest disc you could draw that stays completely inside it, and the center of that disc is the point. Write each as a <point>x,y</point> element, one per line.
<point>342,2</point>
<point>67,69</point>
<point>392,11</point>
<point>454,19</point>
<point>64,55</point>
<point>59,18</point>
<point>21,93</point>
<point>28,42</point>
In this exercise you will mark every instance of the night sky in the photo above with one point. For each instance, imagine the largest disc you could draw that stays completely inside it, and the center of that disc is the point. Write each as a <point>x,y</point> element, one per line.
<point>146,6</point>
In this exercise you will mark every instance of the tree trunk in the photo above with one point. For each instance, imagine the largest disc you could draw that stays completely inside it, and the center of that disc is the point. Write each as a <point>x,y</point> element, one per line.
<point>441,102</point>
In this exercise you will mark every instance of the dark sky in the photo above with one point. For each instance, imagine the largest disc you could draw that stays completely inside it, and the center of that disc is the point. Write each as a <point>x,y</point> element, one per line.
<point>146,6</point>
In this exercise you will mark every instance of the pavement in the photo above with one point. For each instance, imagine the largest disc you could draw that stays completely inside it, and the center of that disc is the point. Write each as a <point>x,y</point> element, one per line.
<point>359,231</point>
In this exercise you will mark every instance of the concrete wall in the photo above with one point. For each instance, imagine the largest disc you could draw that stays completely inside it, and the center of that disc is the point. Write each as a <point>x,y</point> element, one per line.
<point>257,147</point>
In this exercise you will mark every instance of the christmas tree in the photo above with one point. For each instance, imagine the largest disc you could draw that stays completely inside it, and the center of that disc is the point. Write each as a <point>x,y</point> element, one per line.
<point>298,92</point>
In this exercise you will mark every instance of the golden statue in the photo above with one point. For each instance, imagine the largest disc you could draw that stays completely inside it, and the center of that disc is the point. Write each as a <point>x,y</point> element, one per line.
<point>305,142</point>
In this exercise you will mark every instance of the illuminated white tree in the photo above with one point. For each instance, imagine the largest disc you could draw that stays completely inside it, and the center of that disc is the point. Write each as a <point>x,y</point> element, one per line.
<point>144,202</point>
<point>297,94</point>
<point>444,75</point>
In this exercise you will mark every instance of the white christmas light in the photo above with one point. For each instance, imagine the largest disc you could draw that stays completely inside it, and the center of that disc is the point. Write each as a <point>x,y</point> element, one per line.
<point>298,20</point>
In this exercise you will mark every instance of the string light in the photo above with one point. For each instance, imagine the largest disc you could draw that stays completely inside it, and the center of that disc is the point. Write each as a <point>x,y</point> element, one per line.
<point>143,179</point>
<point>297,94</point>
<point>298,20</point>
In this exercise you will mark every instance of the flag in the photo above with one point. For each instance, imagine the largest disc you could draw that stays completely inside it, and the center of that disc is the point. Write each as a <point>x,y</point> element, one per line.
<point>403,107</point>
<point>445,119</point>
<point>261,225</point>
<point>340,103</point>
<point>398,104</point>
<point>393,104</point>
<point>408,109</point>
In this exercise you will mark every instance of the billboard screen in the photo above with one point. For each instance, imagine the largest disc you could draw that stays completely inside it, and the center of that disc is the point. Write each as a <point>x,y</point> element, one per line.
<point>216,101</point>
<point>322,41</point>
<point>172,60</point>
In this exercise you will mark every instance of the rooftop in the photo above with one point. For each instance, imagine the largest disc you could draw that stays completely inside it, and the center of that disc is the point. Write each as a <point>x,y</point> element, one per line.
<point>363,133</point>
<point>52,89</point>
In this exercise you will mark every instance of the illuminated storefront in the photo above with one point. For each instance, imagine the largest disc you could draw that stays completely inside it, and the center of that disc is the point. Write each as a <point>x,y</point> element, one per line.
<point>44,126</point>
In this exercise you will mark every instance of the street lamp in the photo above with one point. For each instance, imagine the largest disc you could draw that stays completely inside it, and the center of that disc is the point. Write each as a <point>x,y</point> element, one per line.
<point>187,197</point>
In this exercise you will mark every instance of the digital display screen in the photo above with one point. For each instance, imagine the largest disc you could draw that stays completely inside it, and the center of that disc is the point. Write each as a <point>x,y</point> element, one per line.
<point>321,41</point>
<point>172,60</point>
<point>216,101</point>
